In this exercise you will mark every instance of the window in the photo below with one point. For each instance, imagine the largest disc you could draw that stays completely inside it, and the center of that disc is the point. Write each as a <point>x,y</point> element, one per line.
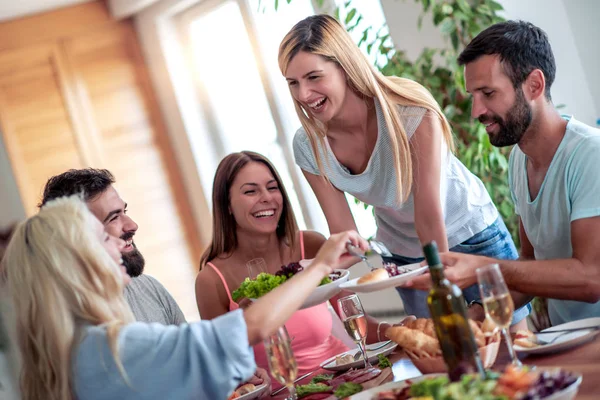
<point>243,99</point>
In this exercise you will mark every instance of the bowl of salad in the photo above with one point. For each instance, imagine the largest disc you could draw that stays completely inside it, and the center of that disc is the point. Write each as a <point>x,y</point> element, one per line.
<point>512,384</point>
<point>264,283</point>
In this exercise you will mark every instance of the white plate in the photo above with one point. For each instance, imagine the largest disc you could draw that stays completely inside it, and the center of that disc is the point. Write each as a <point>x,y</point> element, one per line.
<point>370,394</point>
<point>254,394</point>
<point>330,364</point>
<point>566,340</point>
<point>416,269</point>
<point>567,393</point>
<point>324,292</point>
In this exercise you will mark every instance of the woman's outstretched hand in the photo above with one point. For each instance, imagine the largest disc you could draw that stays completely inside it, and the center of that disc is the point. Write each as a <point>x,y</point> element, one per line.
<point>334,252</point>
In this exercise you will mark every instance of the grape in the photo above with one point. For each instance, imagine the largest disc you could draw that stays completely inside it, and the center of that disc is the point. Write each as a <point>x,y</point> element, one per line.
<point>293,268</point>
<point>289,270</point>
<point>394,270</point>
<point>549,383</point>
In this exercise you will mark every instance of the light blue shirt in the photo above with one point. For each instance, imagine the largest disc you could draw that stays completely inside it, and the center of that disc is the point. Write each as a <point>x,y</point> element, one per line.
<point>570,191</point>
<point>200,360</point>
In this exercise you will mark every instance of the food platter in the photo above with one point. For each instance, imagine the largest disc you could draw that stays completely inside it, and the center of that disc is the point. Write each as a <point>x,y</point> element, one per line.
<point>255,394</point>
<point>414,270</point>
<point>331,365</point>
<point>561,341</point>
<point>567,393</point>
<point>324,292</point>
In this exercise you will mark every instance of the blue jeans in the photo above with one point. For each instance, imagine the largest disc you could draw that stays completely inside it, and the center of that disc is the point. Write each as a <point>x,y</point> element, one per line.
<point>494,241</point>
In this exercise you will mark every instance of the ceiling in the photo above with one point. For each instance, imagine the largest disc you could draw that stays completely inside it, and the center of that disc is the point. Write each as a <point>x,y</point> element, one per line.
<point>10,9</point>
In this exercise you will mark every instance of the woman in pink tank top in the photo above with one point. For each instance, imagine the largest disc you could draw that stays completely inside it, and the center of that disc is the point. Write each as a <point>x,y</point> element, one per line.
<point>253,218</point>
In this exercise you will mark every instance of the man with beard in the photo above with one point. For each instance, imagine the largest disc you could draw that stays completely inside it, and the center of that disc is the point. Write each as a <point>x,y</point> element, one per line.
<point>553,173</point>
<point>148,299</point>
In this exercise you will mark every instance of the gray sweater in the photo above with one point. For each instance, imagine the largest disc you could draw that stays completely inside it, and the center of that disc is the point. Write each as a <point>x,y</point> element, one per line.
<point>151,302</point>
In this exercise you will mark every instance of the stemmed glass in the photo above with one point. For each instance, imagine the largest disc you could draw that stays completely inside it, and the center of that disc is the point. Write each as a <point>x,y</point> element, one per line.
<point>281,360</point>
<point>255,267</point>
<point>497,302</point>
<point>355,322</point>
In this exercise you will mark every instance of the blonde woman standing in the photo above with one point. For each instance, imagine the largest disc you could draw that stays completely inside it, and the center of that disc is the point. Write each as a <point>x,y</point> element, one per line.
<point>385,141</point>
<point>77,336</point>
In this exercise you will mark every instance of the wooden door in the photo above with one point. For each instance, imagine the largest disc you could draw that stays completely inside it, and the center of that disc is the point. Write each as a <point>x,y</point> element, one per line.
<point>84,99</point>
<point>39,129</point>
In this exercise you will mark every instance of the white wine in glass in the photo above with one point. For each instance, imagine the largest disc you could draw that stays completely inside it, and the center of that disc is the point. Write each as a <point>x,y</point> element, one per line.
<point>281,360</point>
<point>355,322</point>
<point>497,302</point>
<point>499,309</point>
<point>255,267</point>
<point>356,327</point>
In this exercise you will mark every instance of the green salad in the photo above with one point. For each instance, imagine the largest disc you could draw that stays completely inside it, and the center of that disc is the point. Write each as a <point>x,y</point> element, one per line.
<point>311,388</point>
<point>263,284</point>
<point>468,388</point>
<point>384,362</point>
<point>347,389</point>
<point>255,288</point>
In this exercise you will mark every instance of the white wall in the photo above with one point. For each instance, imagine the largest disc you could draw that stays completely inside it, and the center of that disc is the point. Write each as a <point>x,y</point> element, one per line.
<point>402,19</point>
<point>574,41</point>
<point>584,18</point>
<point>11,208</point>
<point>572,85</point>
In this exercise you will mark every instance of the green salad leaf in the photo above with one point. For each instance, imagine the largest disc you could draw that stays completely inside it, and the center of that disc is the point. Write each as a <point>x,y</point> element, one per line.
<point>310,388</point>
<point>255,288</point>
<point>428,387</point>
<point>325,281</point>
<point>321,378</point>
<point>347,389</point>
<point>468,388</point>
<point>384,362</point>
<point>263,284</point>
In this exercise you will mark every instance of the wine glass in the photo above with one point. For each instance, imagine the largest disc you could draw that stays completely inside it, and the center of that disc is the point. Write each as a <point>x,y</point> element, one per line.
<point>255,267</point>
<point>497,302</point>
<point>355,322</point>
<point>281,360</point>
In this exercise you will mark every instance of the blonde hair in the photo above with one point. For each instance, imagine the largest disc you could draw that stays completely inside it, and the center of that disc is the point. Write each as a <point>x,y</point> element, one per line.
<point>324,36</point>
<point>58,275</point>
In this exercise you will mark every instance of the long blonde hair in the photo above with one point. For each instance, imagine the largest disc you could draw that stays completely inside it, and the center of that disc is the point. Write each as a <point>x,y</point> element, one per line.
<point>224,240</point>
<point>58,276</point>
<point>324,36</point>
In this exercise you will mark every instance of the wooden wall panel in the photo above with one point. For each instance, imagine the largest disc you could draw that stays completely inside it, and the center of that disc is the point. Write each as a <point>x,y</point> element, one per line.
<point>38,129</point>
<point>78,95</point>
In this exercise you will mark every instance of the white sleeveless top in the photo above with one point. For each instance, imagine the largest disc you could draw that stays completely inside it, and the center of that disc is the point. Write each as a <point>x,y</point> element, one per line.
<point>467,207</point>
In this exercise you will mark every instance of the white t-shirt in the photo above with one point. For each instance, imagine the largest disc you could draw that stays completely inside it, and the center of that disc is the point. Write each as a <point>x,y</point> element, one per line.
<point>570,191</point>
<point>467,207</point>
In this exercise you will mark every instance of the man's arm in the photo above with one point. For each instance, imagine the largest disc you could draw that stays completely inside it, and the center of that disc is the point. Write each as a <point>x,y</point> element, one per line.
<point>576,278</point>
<point>526,253</point>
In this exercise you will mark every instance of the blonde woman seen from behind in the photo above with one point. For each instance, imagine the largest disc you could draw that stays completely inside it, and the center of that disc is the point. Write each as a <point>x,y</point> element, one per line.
<point>385,141</point>
<point>76,334</point>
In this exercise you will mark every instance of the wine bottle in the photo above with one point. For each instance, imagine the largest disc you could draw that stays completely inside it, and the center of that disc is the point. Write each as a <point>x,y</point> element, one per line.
<point>449,313</point>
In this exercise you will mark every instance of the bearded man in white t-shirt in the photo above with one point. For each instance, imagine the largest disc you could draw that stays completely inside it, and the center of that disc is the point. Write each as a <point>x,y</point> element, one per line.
<point>554,174</point>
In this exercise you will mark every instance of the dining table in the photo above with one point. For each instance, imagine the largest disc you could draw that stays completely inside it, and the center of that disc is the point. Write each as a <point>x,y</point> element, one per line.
<point>583,359</point>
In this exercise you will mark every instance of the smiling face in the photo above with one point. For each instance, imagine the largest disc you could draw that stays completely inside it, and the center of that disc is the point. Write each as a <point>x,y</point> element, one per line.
<point>111,210</point>
<point>317,84</point>
<point>113,246</point>
<point>255,199</point>
<point>504,111</point>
